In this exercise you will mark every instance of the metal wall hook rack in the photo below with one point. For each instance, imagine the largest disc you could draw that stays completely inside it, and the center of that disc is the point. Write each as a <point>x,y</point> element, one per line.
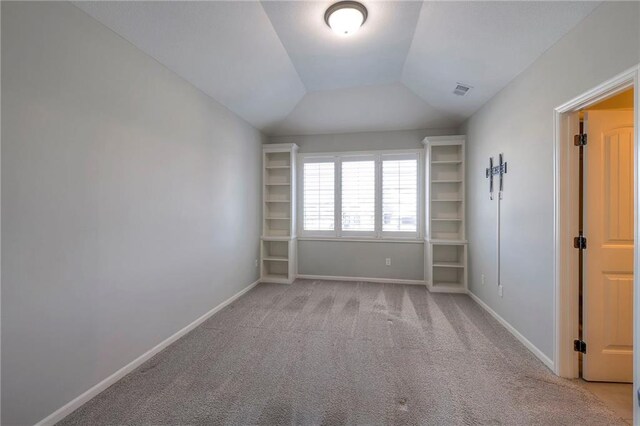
<point>499,170</point>
<point>491,171</point>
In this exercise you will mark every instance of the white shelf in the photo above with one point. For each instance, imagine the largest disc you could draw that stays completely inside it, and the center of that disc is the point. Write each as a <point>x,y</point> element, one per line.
<point>448,265</point>
<point>275,278</point>
<point>275,259</point>
<point>446,250</point>
<point>275,238</point>
<point>446,162</point>
<point>448,288</point>
<point>278,241</point>
<point>447,242</point>
<point>448,284</point>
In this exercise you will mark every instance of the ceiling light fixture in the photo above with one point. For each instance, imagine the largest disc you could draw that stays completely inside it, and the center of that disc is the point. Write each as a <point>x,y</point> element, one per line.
<point>345,17</point>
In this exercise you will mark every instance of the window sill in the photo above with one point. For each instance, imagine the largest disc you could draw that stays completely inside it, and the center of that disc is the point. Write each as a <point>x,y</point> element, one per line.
<point>365,240</point>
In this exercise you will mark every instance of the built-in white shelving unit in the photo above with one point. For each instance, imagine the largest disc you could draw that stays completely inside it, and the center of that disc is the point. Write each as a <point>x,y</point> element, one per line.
<point>278,242</point>
<point>446,244</point>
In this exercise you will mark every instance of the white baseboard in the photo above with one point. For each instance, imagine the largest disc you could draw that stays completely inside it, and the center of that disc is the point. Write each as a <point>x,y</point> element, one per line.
<point>82,399</point>
<point>537,352</point>
<point>371,280</point>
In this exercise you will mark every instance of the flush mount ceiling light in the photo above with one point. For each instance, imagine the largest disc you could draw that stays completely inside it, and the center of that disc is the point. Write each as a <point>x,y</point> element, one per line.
<point>345,17</point>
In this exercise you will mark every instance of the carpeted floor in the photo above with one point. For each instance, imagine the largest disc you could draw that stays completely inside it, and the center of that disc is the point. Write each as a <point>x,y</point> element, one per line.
<point>320,352</point>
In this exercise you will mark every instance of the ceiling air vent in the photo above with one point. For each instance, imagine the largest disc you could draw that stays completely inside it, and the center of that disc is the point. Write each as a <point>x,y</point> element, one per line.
<point>461,89</point>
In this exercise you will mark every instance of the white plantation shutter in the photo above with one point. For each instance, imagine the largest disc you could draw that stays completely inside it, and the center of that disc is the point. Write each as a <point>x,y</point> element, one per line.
<point>318,196</point>
<point>358,195</point>
<point>400,193</point>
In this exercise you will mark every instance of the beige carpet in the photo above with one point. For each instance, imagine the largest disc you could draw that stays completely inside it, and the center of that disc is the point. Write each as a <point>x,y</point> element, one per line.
<point>345,353</point>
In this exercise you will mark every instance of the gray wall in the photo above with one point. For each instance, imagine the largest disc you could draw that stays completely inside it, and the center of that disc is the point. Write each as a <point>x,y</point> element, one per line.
<point>519,122</point>
<point>130,205</point>
<point>362,259</point>
<point>365,141</point>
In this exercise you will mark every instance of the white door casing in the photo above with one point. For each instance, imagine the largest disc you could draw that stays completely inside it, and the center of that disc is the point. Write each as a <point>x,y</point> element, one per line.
<point>609,257</point>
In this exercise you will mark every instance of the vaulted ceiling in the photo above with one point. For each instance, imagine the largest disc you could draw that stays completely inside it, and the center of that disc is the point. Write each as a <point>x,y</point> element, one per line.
<point>277,64</point>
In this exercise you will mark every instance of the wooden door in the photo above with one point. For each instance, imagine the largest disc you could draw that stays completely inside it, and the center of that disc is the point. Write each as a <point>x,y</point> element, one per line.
<point>609,229</point>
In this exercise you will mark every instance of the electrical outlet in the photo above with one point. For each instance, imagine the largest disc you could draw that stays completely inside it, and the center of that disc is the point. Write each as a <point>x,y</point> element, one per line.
<point>388,261</point>
<point>482,279</point>
<point>500,290</point>
<point>255,263</point>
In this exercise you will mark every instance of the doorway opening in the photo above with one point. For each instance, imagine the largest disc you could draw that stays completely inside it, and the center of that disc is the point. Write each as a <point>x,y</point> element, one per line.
<point>596,234</point>
<point>606,227</point>
<point>605,266</point>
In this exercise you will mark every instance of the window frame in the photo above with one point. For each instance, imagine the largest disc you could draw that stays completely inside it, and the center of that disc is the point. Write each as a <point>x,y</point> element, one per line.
<point>377,234</point>
<point>400,157</point>
<point>300,206</point>
<point>354,158</point>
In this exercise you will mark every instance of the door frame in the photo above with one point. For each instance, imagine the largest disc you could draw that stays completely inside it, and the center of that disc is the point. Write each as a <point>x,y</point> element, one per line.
<point>566,225</point>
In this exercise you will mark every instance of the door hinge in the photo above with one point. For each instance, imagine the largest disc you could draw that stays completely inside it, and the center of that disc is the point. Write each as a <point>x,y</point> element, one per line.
<point>580,242</point>
<point>580,140</point>
<point>579,346</point>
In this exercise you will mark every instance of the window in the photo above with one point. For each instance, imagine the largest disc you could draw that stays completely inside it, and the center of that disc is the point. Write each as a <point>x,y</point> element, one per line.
<point>361,195</point>
<point>318,210</point>
<point>400,195</point>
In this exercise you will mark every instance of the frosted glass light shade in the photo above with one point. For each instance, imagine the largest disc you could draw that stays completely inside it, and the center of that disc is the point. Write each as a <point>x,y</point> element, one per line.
<point>345,18</point>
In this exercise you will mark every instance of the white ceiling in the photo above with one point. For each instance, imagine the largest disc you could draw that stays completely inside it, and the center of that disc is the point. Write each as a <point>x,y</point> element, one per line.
<point>373,55</point>
<point>482,44</point>
<point>277,65</point>
<point>229,50</point>
<point>362,109</point>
